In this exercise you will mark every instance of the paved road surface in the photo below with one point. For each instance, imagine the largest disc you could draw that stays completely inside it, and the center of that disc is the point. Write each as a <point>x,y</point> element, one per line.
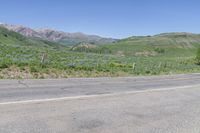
<point>163,104</point>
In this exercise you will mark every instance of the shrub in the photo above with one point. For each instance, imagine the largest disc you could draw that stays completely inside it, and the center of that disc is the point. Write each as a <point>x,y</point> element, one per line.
<point>115,64</point>
<point>5,63</point>
<point>3,66</point>
<point>34,69</point>
<point>197,60</point>
<point>159,50</point>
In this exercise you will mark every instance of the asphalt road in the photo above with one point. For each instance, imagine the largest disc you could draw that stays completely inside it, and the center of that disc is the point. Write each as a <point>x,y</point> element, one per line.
<point>160,104</point>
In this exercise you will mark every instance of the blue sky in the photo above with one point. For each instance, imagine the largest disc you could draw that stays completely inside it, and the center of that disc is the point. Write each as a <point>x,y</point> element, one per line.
<point>109,18</point>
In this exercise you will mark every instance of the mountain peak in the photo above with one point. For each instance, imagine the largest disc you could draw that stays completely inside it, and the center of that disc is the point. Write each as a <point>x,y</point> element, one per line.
<point>45,30</point>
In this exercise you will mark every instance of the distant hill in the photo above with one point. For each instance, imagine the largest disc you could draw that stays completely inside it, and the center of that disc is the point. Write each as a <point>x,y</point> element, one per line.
<point>178,39</point>
<point>151,45</point>
<point>83,47</point>
<point>59,36</point>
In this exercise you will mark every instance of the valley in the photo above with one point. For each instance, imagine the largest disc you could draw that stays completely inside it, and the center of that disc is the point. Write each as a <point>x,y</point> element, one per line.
<point>25,56</point>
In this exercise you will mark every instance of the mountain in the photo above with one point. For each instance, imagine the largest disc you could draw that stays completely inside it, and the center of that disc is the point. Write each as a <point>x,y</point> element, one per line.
<point>12,38</point>
<point>64,38</point>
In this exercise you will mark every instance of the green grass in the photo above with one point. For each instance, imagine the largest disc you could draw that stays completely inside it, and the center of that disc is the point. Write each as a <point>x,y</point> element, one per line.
<point>65,63</point>
<point>20,57</point>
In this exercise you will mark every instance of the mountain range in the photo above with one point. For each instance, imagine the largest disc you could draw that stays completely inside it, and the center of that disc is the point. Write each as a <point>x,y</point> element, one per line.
<point>54,37</point>
<point>64,38</point>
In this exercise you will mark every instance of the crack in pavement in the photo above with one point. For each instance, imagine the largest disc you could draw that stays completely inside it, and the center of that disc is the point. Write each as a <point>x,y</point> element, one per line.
<point>22,83</point>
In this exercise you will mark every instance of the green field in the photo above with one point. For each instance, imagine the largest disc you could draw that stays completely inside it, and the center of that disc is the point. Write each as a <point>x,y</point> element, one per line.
<point>22,57</point>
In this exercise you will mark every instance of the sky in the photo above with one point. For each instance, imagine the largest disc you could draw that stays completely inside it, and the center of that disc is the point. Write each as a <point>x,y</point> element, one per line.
<point>108,18</point>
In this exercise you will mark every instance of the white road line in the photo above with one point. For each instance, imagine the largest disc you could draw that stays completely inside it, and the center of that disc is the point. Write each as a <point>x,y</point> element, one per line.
<point>94,96</point>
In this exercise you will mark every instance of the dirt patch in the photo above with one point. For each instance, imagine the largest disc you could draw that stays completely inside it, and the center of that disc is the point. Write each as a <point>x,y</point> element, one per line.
<point>145,53</point>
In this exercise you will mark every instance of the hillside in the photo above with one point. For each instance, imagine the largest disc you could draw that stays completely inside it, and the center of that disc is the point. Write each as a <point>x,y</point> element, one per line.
<point>171,44</point>
<point>28,57</point>
<point>61,37</point>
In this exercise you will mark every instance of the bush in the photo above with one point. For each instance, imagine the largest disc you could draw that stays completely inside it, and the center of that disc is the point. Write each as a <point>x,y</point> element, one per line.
<point>159,50</point>
<point>197,60</point>
<point>34,69</point>
<point>3,66</point>
<point>5,63</point>
<point>119,65</point>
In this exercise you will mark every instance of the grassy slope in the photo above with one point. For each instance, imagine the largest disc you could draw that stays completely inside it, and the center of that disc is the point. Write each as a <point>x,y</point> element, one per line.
<point>160,54</point>
<point>174,44</point>
<point>20,57</point>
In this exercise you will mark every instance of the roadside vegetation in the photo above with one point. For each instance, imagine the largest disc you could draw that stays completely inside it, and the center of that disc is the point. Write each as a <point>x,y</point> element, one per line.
<point>33,58</point>
<point>197,59</point>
